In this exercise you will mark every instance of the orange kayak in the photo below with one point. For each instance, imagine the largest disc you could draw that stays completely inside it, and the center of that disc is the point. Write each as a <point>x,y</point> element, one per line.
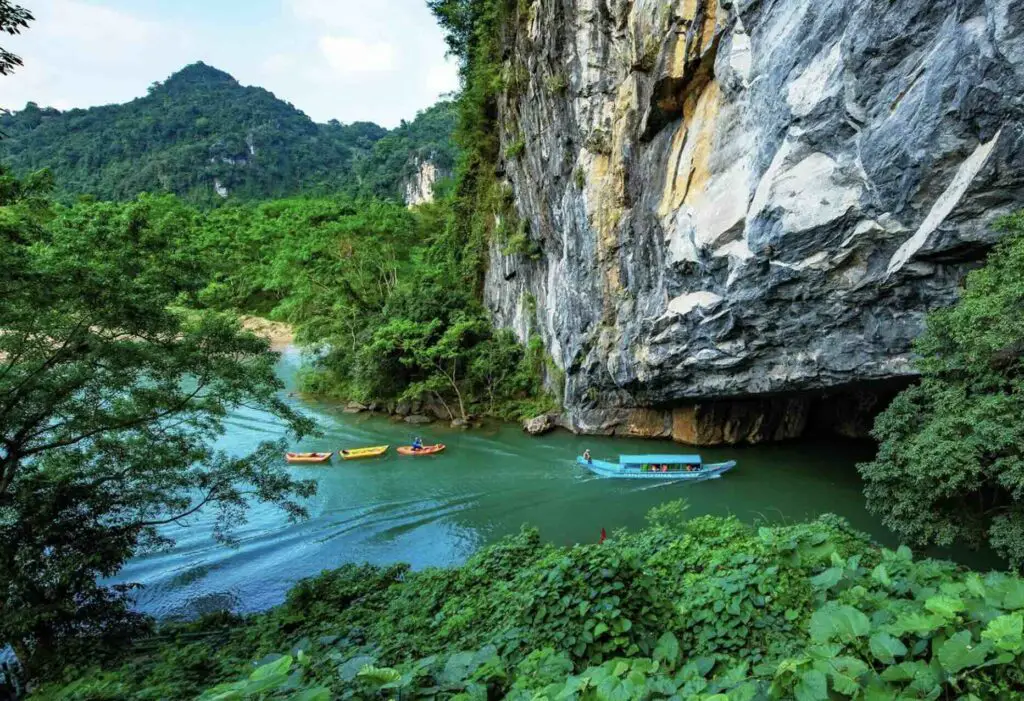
<point>307,458</point>
<point>425,450</point>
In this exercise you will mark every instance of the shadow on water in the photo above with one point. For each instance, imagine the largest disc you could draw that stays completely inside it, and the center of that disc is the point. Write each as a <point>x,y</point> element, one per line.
<point>436,511</point>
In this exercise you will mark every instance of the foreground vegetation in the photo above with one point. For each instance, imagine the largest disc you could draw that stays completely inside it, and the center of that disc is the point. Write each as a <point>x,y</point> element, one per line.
<point>111,398</point>
<point>705,609</point>
<point>950,465</point>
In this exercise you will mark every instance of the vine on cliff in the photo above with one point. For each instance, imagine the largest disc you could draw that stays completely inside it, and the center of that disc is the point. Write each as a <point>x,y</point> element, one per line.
<point>479,33</point>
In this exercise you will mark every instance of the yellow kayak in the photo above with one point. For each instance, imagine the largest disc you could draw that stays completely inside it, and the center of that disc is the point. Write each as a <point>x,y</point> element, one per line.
<point>357,453</point>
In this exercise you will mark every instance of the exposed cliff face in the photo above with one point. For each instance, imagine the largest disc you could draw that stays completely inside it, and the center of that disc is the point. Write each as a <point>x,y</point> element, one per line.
<point>750,198</point>
<point>419,189</point>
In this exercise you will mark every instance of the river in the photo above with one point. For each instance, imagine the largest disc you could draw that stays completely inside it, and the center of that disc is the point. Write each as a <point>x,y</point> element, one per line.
<point>438,510</point>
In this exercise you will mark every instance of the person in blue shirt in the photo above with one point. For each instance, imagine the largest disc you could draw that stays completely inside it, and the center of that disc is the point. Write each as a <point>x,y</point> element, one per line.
<point>417,443</point>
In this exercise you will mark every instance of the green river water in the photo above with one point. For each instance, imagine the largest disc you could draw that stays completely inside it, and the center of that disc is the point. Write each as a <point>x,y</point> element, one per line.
<point>438,510</point>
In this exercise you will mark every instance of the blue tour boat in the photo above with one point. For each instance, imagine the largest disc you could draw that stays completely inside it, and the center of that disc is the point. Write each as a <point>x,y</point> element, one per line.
<point>673,467</point>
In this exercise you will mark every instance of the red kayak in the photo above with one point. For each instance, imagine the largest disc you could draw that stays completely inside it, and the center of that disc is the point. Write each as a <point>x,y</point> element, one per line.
<point>425,450</point>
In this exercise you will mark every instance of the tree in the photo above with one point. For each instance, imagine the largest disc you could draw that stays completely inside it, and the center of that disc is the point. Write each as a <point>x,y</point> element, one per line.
<point>110,398</point>
<point>13,18</point>
<point>950,465</point>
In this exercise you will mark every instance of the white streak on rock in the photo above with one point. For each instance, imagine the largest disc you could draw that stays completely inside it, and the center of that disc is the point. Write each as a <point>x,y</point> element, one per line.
<point>684,304</point>
<point>947,201</point>
<point>815,83</point>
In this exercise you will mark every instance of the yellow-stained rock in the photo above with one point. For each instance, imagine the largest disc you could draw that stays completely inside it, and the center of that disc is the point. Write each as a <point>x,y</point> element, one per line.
<point>648,423</point>
<point>692,148</point>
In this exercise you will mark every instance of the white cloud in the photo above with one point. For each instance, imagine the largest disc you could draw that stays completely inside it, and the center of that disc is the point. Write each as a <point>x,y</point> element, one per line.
<point>350,15</point>
<point>98,28</point>
<point>351,56</point>
<point>80,54</point>
<point>443,77</point>
<point>382,60</point>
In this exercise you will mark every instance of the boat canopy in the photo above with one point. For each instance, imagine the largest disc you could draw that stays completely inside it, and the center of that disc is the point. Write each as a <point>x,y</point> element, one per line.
<point>660,460</point>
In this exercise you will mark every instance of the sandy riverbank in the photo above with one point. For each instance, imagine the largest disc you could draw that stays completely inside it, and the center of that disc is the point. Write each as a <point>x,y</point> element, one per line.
<point>279,334</point>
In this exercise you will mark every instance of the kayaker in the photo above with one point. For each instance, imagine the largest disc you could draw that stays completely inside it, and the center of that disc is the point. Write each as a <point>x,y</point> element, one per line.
<point>586,456</point>
<point>417,443</point>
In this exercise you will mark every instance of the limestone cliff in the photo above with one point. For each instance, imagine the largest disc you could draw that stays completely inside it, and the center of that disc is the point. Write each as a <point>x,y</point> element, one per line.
<point>744,206</point>
<point>419,189</point>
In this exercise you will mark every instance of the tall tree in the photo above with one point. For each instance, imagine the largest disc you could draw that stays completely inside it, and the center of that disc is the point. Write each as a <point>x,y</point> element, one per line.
<point>110,399</point>
<point>950,466</point>
<point>13,18</point>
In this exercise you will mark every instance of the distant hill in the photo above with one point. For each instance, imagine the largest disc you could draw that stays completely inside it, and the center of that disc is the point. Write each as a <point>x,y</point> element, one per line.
<point>202,135</point>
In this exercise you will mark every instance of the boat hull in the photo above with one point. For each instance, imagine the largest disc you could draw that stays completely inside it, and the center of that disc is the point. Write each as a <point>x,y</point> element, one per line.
<point>614,469</point>
<point>297,459</point>
<point>361,453</point>
<point>426,450</point>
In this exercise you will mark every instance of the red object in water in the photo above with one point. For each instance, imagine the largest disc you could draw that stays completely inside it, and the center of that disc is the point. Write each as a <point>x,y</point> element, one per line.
<point>603,535</point>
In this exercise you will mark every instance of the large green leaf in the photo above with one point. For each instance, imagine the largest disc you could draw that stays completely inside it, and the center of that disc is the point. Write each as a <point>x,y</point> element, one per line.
<point>886,648</point>
<point>1006,632</point>
<point>458,668</point>
<point>838,622</point>
<point>667,650</point>
<point>845,673</point>
<point>881,575</point>
<point>273,669</point>
<point>827,579</point>
<point>946,606</point>
<point>960,652</point>
<point>917,623</point>
<point>813,686</point>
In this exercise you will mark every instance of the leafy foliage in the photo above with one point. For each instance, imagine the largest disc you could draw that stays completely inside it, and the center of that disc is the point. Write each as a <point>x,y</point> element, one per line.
<point>672,611</point>
<point>200,130</point>
<point>950,466</point>
<point>480,33</point>
<point>369,287</point>
<point>13,18</point>
<point>110,399</point>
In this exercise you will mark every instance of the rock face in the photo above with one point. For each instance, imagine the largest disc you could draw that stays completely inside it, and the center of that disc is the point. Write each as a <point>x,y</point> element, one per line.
<point>742,204</point>
<point>539,425</point>
<point>420,188</point>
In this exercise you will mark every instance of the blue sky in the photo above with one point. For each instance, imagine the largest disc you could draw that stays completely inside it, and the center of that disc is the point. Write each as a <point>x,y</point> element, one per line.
<point>350,60</point>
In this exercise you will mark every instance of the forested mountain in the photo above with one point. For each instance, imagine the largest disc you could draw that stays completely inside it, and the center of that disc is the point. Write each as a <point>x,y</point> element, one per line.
<point>202,135</point>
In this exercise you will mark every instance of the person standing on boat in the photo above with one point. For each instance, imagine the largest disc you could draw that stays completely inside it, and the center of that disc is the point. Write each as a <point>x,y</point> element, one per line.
<point>586,456</point>
<point>417,443</point>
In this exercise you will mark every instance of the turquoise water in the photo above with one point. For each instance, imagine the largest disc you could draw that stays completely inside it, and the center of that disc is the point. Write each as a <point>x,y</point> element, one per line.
<point>438,510</point>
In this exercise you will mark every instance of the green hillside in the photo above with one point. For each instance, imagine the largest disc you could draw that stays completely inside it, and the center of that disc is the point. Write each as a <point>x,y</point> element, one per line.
<point>202,135</point>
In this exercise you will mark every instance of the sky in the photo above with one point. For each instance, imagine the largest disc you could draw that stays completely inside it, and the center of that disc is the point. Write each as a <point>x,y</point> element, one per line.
<point>350,60</point>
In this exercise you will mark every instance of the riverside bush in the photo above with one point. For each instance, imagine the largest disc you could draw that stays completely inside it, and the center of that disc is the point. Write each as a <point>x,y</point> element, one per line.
<point>704,609</point>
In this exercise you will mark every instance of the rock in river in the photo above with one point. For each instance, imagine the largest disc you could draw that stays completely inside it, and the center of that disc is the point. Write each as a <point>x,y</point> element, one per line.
<point>539,425</point>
